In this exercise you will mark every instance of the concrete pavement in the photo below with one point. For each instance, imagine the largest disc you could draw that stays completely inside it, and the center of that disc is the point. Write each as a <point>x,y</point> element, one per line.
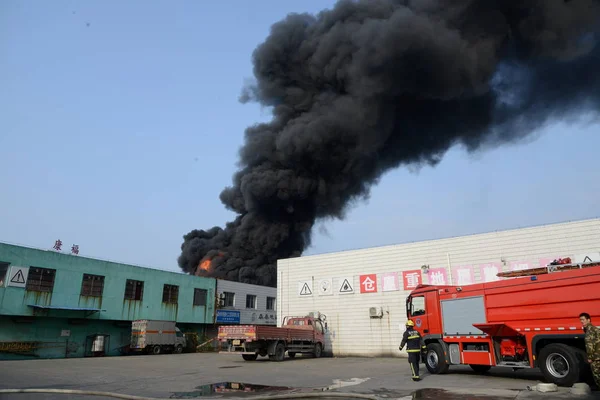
<point>185,376</point>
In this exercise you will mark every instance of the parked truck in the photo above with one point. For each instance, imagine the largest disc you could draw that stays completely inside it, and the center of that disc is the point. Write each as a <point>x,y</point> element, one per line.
<point>296,335</point>
<point>155,337</point>
<point>530,320</point>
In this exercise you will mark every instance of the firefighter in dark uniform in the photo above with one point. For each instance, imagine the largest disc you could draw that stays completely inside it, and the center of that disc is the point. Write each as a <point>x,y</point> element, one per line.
<point>414,346</point>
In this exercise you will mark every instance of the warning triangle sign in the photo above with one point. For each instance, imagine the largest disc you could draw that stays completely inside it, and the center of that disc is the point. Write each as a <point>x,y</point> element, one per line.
<point>18,277</point>
<point>305,290</point>
<point>346,287</point>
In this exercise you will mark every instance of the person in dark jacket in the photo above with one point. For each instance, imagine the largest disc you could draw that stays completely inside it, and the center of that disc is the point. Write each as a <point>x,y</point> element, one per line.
<point>413,341</point>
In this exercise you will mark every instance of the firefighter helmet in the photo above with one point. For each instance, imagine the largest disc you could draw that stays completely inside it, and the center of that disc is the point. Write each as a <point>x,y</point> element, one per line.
<point>410,323</point>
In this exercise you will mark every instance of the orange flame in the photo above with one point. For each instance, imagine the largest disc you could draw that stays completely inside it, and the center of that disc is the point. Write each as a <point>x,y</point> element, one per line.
<point>205,265</point>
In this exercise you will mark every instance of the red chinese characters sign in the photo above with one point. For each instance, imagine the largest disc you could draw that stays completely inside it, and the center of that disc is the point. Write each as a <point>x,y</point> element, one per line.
<point>463,275</point>
<point>520,265</point>
<point>489,272</point>
<point>438,276</point>
<point>411,279</point>
<point>368,283</point>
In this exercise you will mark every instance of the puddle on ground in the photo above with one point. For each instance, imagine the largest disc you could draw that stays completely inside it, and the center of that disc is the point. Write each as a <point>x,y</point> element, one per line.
<point>230,388</point>
<point>239,389</point>
<point>441,394</point>
<point>435,394</point>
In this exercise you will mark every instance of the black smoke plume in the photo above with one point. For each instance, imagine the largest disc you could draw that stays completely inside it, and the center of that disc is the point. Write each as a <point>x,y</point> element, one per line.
<point>372,85</point>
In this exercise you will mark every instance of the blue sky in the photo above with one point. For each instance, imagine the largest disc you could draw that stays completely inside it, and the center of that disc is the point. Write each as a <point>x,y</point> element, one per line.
<point>120,135</point>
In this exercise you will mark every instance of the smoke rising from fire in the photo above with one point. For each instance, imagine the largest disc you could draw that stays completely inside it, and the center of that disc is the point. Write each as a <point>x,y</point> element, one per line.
<point>373,85</point>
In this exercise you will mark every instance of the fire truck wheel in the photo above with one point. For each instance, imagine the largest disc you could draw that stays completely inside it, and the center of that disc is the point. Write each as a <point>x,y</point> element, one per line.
<point>435,360</point>
<point>559,364</point>
<point>480,369</point>
<point>249,357</point>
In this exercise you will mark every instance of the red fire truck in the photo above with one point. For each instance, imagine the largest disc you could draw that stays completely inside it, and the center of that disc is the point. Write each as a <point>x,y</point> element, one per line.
<point>530,319</point>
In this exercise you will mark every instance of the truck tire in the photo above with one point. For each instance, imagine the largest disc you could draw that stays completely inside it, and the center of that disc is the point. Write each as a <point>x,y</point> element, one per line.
<point>178,349</point>
<point>279,353</point>
<point>435,360</point>
<point>480,369</point>
<point>249,357</point>
<point>559,364</point>
<point>318,350</point>
<point>156,350</point>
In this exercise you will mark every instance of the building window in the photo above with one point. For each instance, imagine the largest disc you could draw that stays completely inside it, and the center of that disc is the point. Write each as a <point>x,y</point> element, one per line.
<point>92,285</point>
<point>40,279</point>
<point>134,290</point>
<point>200,297</point>
<point>229,299</point>
<point>270,303</point>
<point>170,294</point>
<point>3,271</point>
<point>250,301</point>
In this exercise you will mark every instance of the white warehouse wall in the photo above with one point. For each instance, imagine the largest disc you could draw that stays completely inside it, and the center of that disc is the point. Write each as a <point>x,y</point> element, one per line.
<point>353,332</point>
<point>250,316</point>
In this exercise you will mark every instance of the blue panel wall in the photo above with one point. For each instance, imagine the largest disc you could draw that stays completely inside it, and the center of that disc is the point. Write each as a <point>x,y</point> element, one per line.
<point>66,292</point>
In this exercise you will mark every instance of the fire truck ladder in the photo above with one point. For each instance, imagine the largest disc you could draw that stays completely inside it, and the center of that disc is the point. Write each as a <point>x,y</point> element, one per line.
<point>548,269</point>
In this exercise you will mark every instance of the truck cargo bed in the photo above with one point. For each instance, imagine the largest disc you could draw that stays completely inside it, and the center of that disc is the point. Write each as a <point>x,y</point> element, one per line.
<point>265,332</point>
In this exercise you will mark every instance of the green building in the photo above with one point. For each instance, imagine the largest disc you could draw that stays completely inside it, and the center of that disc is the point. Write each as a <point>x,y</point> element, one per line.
<point>53,304</point>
